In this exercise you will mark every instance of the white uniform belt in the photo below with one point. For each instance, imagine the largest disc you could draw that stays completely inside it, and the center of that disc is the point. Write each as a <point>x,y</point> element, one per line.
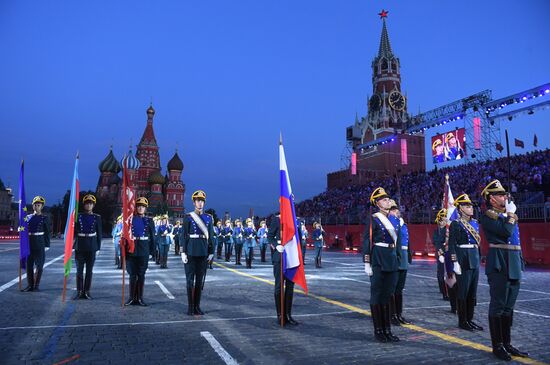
<point>406,248</point>
<point>470,245</point>
<point>383,244</point>
<point>505,246</point>
<point>142,238</point>
<point>87,234</point>
<point>36,233</point>
<point>197,236</point>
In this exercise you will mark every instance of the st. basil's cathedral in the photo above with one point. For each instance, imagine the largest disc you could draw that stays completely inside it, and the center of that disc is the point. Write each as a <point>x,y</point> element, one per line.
<point>164,192</point>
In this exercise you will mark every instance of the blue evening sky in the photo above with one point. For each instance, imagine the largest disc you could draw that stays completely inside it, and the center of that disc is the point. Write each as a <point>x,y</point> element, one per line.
<point>227,76</point>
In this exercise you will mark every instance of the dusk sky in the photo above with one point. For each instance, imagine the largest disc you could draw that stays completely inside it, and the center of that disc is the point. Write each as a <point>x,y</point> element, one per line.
<point>225,77</point>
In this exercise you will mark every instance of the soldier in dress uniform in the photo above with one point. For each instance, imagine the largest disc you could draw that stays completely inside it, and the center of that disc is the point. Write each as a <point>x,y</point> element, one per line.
<point>274,239</point>
<point>464,243</point>
<point>143,230</point>
<point>219,239</point>
<point>262,236</point>
<point>116,233</point>
<point>238,238</point>
<point>504,266</point>
<point>39,239</point>
<point>87,243</point>
<point>158,221</point>
<point>177,235</point>
<point>439,241</point>
<point>164,232</point>
<point>227,234</point>
<point>396,301</point>
<point>381,263</point>
<point>249,242</point>
<point>304,234</point>
<point>197,250</point>
<point>318,241</point>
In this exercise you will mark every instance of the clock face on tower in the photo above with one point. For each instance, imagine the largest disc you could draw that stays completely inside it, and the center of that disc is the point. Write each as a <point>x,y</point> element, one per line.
<point>397,100</point>
<point>375,102</point>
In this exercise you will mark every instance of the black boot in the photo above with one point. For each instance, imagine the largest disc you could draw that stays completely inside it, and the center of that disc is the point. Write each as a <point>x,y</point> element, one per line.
<point>452,298</point>
<point>470,305</point>
<point>320,264</point>
<point>141,284</point>
<point>157,258</point>
<point>462,322</point>
<point>496,339</point>
<point>117,261</point>
<point>387,323</point>
<point>132,300</point>
<point>30,281</point>
<point>376,313</point>
<point>289,294</point>
<point>87,285</point>
<point>443,289</point>
<point>119,266</point>
<point>278,308</point>
<point>393,311</point>
<point>317,262</point>
<point>399,308</point>
<point>506,325</point>
<point>197,310</point>
<point>190,302</point>
<point>37,278</point>
<point>79,285</point>
<point>262,253</point>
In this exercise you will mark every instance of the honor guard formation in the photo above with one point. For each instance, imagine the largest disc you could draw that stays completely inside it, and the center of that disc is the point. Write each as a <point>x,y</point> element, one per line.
<point>386,256</point>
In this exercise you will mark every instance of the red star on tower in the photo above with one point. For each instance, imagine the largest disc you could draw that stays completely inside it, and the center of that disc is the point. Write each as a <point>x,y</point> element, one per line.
<point>383,14</point>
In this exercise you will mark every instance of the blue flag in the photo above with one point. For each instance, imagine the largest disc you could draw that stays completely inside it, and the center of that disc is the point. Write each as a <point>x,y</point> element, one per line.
<point>24,249</point>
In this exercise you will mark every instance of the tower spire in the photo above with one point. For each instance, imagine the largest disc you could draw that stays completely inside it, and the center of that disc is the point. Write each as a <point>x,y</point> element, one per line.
<point>384,50</point>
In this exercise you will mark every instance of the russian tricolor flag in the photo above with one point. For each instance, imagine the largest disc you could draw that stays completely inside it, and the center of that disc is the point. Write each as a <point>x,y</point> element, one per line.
<point>293,265</point>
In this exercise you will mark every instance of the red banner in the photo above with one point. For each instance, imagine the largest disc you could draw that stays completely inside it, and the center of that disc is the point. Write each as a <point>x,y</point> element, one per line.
<point>128,206</point>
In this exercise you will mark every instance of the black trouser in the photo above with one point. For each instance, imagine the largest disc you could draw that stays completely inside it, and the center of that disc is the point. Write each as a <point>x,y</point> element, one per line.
<point>401,279</point>
<point>84,258</point>
<point>228,249</point>
<point>504,293</point>
<point>382,286</point>
<point>219,249</point>
<point>467,284</point>
<point>136,266</point>
<point>35,258</point>
<point>441,277</point>
<point>303,246</point>
<point>238,252</point>
<point>195,269</point>
<point>263,249</point>
<point>249,253</point>
<point>177,245</point>
<point>289,291</point>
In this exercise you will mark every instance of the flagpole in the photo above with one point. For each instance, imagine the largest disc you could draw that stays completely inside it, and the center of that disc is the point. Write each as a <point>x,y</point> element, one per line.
<point>64,288</point>
<point>123,265</point>
<point>282,282</point>
<point>509,162</point>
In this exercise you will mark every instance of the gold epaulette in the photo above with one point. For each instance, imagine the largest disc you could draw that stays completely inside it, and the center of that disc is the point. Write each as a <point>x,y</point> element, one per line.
<point>491,214</point>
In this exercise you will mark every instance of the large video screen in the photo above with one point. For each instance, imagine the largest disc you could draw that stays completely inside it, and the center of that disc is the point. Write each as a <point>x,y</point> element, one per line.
<point>449,146</point>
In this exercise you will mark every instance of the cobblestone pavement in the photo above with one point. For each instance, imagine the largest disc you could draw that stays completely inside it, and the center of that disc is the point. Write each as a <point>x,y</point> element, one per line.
<point>37,328</point>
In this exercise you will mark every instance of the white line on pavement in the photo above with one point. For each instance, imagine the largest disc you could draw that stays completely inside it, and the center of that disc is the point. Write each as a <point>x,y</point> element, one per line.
<point>164,290</point>
<point>481,303</point>
<point>342,263</point>
<point>531,314</point>
<point>16,280</point>
<point>166,322</point>
<point>228,359</point>
<point>525,290</point>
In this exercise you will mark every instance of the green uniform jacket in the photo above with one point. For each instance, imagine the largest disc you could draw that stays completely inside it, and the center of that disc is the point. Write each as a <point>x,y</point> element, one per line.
<point>500,229</point>
<point>198,246</point>
<point>384,257</point>
<point>468,258</point>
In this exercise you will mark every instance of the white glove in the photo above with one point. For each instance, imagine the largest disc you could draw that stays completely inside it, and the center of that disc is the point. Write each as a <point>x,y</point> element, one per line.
<point>280,248</point>
<point>46,249</point>
<point>456,268</point>
<point>210,257</point>
<point>368,269</point>
<point>184,257</point>
<point>441,259</point>
<point>510,207</point>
